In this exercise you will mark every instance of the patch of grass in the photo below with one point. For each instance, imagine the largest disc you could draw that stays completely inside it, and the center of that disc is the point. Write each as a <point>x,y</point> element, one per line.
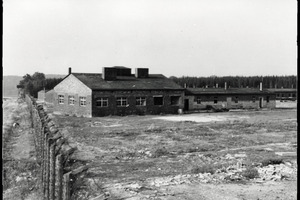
<point>272,161</point>
<point>250,173</point>
<point>160,152</point>
<point>209,168</point>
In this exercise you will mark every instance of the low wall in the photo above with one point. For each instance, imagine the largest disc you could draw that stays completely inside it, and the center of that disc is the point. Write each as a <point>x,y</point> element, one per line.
<point>54,153</point>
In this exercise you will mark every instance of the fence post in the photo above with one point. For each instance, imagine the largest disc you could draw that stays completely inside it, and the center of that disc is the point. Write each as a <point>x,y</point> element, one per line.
<point>52,170</point>
<point>66,186</point>
<point>59,177</point>
<point>47,148</point>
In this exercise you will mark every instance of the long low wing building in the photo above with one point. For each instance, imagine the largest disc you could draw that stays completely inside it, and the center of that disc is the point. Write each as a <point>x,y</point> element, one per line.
<point>229,98</point>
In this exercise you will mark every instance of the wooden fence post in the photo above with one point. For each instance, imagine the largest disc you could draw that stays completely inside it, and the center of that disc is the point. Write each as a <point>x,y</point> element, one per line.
<point>47,167</point>
<point>52,170</point>
<point>66,186</point>
<point>59,177</point>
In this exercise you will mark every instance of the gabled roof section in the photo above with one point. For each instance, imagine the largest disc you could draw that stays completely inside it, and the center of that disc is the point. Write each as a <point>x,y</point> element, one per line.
<point>195,91</point>
<point>153,82</point>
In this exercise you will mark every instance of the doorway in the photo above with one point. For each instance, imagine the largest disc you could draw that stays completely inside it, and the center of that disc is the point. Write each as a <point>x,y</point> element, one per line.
<point>260,102</point>
<point>186,105</point>
<point>228,102</point>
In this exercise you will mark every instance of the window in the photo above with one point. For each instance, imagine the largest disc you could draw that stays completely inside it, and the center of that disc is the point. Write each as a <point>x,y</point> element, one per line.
<point>140,101</point>
<point>268,99</point>
<point>198,100</point>
<point>236,100</point>
<point>102,102</point>
<point>175,100</point>
<point>253,99</point>
<point>121,101</point>
<point>82,101</point>
<point>71,100</point>
<point>61,99</point>
<point>215,100</point>
<point>158,101</point>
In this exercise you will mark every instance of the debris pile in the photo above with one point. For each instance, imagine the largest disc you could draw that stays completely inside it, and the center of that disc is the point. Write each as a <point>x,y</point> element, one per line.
<point>277,172</point>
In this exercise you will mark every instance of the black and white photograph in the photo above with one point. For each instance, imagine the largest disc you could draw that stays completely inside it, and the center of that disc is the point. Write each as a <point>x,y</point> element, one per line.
<point>149,99</point>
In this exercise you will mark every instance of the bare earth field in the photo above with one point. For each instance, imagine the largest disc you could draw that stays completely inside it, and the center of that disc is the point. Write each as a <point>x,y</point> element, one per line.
<point>232,155</point>
<point>20,171</point>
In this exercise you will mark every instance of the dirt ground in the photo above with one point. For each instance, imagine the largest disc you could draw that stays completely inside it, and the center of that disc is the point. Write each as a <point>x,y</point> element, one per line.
<point>231,155</point>
<point>20,171</point>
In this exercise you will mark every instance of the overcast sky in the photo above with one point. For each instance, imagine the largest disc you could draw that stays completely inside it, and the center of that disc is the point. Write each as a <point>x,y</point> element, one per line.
<point>172,37</point>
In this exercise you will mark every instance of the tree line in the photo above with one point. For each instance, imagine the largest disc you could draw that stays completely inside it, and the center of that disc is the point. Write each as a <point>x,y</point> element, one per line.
<point>34,83</point>
<point>237,81</point>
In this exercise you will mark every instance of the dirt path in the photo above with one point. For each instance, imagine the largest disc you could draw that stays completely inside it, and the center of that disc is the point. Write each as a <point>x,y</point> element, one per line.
<point>19,167</point>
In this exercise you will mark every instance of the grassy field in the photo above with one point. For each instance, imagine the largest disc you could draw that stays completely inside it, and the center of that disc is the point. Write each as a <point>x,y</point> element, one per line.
<point>136,148</point>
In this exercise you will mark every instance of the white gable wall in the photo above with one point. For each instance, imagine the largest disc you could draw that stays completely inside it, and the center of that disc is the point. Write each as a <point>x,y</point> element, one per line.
<point>72,87</point>
<point>71,84</point>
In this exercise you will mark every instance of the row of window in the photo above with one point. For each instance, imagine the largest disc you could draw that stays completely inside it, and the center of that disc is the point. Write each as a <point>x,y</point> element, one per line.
<point>286,95</point>
<point>71,100</point>
<point>120,101</point>
<point>236,99</point>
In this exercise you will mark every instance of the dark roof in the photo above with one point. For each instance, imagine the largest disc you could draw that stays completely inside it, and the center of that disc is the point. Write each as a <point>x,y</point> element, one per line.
<point>283,90</point>
<point>193,91</point>
<point>153,82</point>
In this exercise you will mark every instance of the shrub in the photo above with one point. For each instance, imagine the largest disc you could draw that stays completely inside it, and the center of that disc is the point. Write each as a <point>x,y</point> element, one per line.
<point>250,173</point>
<point>160,152</point>
<point>271,161</point>
<point>203,169</point>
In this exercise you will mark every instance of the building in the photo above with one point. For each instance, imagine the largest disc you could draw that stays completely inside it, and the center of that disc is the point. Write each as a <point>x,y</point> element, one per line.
<point>231,98</point>
<point>285,93</point>
<point>46,95</point>
<point>116,91</point>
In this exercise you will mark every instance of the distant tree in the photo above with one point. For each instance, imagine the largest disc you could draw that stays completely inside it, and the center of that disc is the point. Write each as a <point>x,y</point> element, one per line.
<point>33,84</point>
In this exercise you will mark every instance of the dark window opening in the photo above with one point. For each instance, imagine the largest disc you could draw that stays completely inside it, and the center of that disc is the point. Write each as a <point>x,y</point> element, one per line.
<point>236,100</point>
<point>140,101</point>
<point>253,99</point>
<point>215,100</point>
<point>122,102</point>
<point>175,100</point>
<point>102,102</point>
<point>198,100</point>
<point>158,101</point>
<point>268,99</point>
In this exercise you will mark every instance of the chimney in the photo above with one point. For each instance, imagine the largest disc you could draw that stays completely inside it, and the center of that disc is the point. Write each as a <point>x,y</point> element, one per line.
<point>109,73</point>
<point>70,70</point>
<point>141,72</point>
<point>225,86</point>
<point>260,86</point>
